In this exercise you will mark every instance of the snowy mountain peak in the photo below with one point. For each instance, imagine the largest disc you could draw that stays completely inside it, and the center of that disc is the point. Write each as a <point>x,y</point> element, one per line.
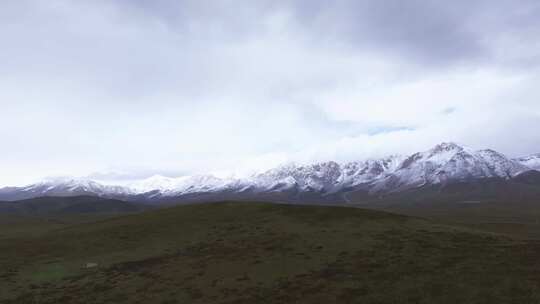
<point>446,146</point>
<point>446,150</point>
<point>448,162</point>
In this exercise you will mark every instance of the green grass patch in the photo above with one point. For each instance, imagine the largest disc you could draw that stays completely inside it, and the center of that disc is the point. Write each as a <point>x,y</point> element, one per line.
<point>49,273</point>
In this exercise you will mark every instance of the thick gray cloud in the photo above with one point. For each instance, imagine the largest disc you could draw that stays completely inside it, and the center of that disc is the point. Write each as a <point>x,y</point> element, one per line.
<point>430,32</point>
<point>131,88</point>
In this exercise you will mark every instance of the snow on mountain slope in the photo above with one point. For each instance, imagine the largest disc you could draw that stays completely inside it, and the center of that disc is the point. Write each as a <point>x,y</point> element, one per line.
<point>357,173</point>
<point>500,165</point>
<point>317,177</point>
<point>448,162</point>
<point>442,164</point>
<point>532,161</point>
<point>325,177</point>
<point>204,183</point>
<point>68,184</point>
<point>63,186</point>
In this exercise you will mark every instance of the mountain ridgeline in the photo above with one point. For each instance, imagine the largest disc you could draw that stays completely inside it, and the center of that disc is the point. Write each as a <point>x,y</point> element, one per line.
<point>446,167</point>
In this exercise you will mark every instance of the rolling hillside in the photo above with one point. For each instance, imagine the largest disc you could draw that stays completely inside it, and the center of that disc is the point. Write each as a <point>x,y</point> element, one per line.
<point>267,253</point>
<point>46,205</point>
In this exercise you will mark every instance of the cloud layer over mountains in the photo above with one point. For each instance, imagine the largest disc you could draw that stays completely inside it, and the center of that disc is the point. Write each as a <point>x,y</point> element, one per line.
<point>129,89</point>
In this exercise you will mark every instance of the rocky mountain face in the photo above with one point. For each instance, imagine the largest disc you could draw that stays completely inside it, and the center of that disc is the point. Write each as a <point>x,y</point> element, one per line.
<point>444,164</point>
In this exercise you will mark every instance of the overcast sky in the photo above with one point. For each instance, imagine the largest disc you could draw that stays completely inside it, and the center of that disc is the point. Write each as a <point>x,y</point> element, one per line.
<point>122,89</point>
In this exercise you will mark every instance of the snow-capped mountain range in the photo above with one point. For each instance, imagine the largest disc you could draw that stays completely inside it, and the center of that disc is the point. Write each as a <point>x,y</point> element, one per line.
<point>443,164</point>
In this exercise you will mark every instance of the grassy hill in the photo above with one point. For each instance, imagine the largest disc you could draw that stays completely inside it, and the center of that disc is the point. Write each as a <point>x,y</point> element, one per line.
<point>49,205</point>
<point>506,206</point>
<point>266,253</point>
